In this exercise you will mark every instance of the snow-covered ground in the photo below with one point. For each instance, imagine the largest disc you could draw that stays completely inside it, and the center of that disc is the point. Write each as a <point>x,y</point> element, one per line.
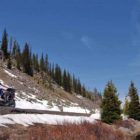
<point>30,101</point>
<point>79,96</point>
<point>10,74</point>
<point>75,109</point>
<point>30,119</point>
<point>44,105</point>
<point>37,104</point>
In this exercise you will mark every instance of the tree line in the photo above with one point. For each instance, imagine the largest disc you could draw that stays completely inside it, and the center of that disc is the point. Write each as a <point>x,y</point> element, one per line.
<point>111,110</point>
<point>30,63</point>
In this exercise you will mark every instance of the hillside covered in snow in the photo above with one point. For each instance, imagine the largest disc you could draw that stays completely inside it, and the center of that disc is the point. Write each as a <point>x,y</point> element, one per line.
<point>31,95</point>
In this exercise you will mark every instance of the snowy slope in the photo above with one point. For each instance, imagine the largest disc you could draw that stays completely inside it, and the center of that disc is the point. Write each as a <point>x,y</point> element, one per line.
<point>27,100</point>
<point>44,105</point>
<point>30,101</point>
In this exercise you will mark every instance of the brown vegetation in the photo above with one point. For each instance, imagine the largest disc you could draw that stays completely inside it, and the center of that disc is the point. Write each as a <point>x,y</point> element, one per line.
<point>84,131</point>
<point>130,123</point>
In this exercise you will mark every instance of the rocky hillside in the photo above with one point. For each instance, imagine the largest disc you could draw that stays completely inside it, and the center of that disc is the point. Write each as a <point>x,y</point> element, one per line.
<point>31,93</point>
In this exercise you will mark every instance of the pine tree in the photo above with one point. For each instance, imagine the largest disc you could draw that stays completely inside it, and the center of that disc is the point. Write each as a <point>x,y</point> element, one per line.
<point>46,63</point>
<point>58,75</point>
<point>35,62</point>
<point>79,87</point>
<point>134,105</point>
<point>18,57</point>
<point>110,104</point>
<point>42,63</point>
<point>14,50</point>
<point>69,83</point>
<point>65,85</point>
<point>11,46</point>
<point>49,68</point>
<point>53,71</point>
<point>4,45</point>
<point>74,83</point>
<point>126,107</point>
<point>26,60</point>
<point>9,63</point>
<point>83,91</point>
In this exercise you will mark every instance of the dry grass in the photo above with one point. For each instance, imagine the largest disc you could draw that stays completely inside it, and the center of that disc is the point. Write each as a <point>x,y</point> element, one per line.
<point>84,131</point>
<point>130,123</point>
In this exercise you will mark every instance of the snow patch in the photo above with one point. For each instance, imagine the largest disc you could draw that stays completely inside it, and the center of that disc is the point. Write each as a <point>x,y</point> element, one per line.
<point>2,85</point>
<point>96,115</point>
<point>40,105</point>
<point>2,82</point>
<point>79,96</point>
<point>10,74</point>
<point>30,119</point>
<point>30,101</point>
<point>75,109</point>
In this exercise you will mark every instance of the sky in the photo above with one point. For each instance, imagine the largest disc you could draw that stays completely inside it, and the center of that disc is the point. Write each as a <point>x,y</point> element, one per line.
<point>97,40</point>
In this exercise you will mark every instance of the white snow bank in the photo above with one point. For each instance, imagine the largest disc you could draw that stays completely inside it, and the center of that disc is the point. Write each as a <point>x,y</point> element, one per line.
<point>43,105</point>
<point>96,115</point>
<point>30,101</point>
<point>1,81</point>
<point>30,119</point>
<point>75,109</point>
<point>40,105</point>
<point>2,85</point>
<point>79,96</point>
<point>10,74</point>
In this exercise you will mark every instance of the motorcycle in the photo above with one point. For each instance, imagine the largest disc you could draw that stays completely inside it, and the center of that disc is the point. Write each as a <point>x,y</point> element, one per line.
<point>8,98</point>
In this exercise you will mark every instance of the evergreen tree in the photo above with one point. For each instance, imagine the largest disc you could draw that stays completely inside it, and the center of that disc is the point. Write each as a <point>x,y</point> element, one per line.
<point>9,63</point>
<point>35,62</point>
<point>53,72</point>
<point>79,90</point>
<point>14,50</point>
<point>18,57</point>
<point>134,105</point>
<point>4,45</point>
<point>65,80</point>
<point>46,63</point>
<point>126,107</point>
<point>26,60</point>
<point>11,46</point>
<point>83,91</point>
<point>42,63</point>
<point>49,69</point>
<point>69,82</point>
<point>74,83</point>
<point>110,104</point>
<point>58,75</point>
